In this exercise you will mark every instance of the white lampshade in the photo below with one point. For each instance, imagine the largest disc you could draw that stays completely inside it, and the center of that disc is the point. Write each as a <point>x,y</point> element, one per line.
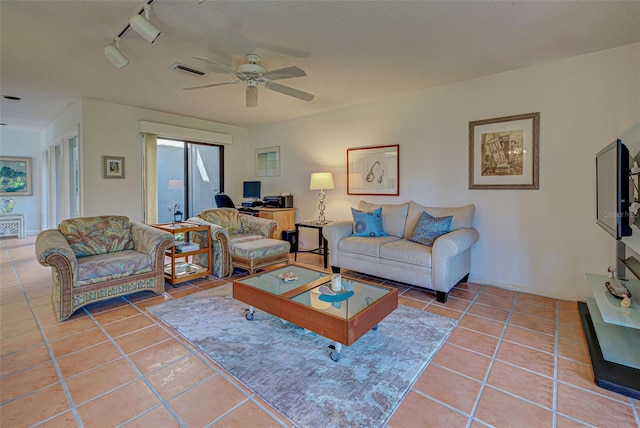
<point>321,181</point>
<point>116,57</point>
<point>143,27</point>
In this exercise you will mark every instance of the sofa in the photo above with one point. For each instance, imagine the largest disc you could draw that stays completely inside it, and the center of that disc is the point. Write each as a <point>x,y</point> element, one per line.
<point>97,258</point>
<point>438,267</point>
<point>234,240</point>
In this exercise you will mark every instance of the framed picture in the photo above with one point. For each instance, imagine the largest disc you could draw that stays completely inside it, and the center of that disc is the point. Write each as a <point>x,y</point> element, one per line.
<point>15,176</point>
<point>373,170</point>
<point>503,152</point>
<point>112,167</point>
<point>268,162</point>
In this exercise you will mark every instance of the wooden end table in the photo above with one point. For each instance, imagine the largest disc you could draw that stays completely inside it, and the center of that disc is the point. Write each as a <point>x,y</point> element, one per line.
<point>176,271</point>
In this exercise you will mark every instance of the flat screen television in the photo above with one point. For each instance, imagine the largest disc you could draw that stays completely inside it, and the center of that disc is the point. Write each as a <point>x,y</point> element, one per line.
<point>251,190</point>
<point>613,189</point>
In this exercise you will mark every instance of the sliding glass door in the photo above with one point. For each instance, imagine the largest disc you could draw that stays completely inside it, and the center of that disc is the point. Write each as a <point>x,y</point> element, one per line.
<point>189,175</point>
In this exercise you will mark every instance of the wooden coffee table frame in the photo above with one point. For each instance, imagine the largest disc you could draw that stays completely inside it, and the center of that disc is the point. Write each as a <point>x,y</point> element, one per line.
<point>342,331</point>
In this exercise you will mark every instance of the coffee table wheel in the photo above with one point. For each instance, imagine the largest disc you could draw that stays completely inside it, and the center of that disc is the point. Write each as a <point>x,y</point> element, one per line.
<point>375,327</point>
<point>335,353</point>
<point>249,314</point>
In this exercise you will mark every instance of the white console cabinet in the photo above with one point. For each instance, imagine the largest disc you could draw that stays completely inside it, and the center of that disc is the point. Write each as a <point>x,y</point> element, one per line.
<point>12,224</point>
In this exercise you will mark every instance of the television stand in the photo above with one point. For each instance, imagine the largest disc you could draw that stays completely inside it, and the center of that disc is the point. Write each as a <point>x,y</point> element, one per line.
<point>613,337</point>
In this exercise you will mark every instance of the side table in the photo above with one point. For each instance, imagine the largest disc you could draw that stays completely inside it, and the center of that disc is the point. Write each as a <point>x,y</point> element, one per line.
<point>176,272</point>
<point>323,246</point>
<point>12,224</point>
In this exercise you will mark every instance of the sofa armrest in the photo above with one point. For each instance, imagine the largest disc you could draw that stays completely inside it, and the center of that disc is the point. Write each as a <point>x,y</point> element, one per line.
<point>336,231</point>
<point>150,240</point>
<point>453,243</point>
<point>219,246</point>
<point>258,226</point>
<point>53,250</point>
<point>450,258</point>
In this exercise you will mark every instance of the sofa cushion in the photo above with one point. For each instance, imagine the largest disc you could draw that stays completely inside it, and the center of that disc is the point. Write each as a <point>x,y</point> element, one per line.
<point>430,228</point>
<point>405,251</point>
<point>367,223</point>
<point>90,236</point>
<point>394,216</point>
<point>227,218</point>
<point>237,238</point>
<point>462,216</point>
<point>364,245</point>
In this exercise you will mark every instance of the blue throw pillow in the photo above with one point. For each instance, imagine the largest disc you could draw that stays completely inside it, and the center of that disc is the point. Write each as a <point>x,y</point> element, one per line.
<point>429,228</point>
<point>367,223</point>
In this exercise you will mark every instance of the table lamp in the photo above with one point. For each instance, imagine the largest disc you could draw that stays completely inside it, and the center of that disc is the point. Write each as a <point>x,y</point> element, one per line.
<point>321,181</point>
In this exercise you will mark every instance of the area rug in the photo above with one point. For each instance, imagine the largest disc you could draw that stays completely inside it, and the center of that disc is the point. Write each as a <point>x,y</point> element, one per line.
<point>291,369</point>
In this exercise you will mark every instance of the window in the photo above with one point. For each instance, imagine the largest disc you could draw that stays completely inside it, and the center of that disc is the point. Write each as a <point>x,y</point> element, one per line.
<point>189,174</point>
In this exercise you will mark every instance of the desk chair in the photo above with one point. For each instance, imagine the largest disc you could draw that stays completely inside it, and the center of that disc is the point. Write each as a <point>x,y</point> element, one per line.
<point>224,201</point>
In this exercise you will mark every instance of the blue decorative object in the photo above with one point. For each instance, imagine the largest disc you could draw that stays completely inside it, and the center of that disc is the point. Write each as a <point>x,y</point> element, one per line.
<point>7,205</point>
<point>367,223</point>
<point>429,228</point>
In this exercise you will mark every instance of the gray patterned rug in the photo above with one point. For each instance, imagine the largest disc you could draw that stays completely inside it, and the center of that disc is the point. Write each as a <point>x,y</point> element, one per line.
<point>291,369</point>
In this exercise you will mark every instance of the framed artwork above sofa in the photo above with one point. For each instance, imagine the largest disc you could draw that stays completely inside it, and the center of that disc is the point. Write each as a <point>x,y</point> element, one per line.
<point>373,170</point>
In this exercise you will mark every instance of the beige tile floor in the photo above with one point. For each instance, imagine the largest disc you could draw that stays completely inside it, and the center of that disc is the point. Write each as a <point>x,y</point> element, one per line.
<point>514,359</point>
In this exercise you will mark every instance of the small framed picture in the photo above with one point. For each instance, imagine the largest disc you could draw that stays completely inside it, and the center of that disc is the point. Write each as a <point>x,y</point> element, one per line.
<point>15,176</point>
<point>503,152</point>
<point>268,162</point>
<point>112,167</point>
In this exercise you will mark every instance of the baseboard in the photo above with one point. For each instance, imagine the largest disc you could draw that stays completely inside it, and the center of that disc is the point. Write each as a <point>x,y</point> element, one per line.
<point>559,295</point>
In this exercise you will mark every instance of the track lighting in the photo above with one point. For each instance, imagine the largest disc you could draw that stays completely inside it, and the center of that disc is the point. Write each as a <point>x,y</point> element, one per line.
<point>142,26</point>
<point>114,55</point>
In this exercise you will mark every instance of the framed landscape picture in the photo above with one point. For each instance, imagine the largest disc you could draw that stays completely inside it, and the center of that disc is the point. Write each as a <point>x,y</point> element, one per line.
<point>373,170</point>
<point>503,152</point>
<point>15,176</point>
<point>112,167</point>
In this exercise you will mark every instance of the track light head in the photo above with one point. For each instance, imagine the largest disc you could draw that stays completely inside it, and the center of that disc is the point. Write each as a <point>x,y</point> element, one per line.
<point>142,26</point>
<point>114,55</point>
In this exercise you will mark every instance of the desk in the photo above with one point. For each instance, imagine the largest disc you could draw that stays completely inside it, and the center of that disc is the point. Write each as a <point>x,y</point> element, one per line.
<point>323,247</point>
<point>283,216</point>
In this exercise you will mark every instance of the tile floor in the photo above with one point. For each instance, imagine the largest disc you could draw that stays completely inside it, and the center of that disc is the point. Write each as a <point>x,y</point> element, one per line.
<point>514,359</point>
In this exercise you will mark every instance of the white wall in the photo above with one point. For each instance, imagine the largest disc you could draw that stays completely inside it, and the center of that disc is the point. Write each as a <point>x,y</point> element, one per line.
<point>25,143</point>
<point>112,129</point>
<point>539,241</point>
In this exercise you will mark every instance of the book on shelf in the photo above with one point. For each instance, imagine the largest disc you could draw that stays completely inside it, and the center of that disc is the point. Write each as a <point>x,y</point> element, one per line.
<point>183,247</point>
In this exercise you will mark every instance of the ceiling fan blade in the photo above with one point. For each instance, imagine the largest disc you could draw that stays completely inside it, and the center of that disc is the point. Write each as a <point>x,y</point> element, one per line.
<point>239,75</point>
<point>284,73</point>
<point>305,96</point>
<point>210,85</point>
<point>252,96</point>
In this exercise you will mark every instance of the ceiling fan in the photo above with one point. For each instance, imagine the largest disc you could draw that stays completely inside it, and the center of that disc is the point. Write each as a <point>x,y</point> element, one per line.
<point>254,74</point>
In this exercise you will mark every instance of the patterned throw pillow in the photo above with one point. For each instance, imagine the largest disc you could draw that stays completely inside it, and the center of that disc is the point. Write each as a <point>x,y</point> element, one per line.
<point>429,228</point>
<point>367,223</point>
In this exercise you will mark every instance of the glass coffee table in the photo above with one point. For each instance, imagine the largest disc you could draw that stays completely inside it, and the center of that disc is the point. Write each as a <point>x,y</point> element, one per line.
<point>300,302</point>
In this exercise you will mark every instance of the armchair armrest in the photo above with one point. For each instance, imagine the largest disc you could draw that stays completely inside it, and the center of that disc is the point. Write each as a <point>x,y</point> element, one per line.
<point>334,232</point>
<point>53,250</point>
<point>258,226</point>
<point>219,246</point>
<point>150,240</point>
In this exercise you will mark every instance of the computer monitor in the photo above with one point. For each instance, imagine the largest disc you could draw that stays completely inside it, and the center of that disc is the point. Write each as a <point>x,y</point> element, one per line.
<point>251,190</point>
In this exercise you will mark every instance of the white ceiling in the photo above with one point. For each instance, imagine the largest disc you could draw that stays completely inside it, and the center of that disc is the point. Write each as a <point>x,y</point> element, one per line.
<point>353,51</point>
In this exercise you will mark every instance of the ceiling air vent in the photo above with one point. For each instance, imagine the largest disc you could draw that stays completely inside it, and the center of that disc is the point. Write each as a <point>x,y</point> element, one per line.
<point>187,69</point>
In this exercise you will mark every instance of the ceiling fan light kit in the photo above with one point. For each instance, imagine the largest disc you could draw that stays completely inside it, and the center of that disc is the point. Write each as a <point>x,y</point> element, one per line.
<point>140,25</point>
<point>253,75</point>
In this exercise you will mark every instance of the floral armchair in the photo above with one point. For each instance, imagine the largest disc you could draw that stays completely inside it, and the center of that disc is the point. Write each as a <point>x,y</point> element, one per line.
<point>229,227</point>
<point>97,258</point>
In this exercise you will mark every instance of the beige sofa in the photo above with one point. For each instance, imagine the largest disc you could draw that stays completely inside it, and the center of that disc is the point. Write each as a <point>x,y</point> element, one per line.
<point>439,267</point>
